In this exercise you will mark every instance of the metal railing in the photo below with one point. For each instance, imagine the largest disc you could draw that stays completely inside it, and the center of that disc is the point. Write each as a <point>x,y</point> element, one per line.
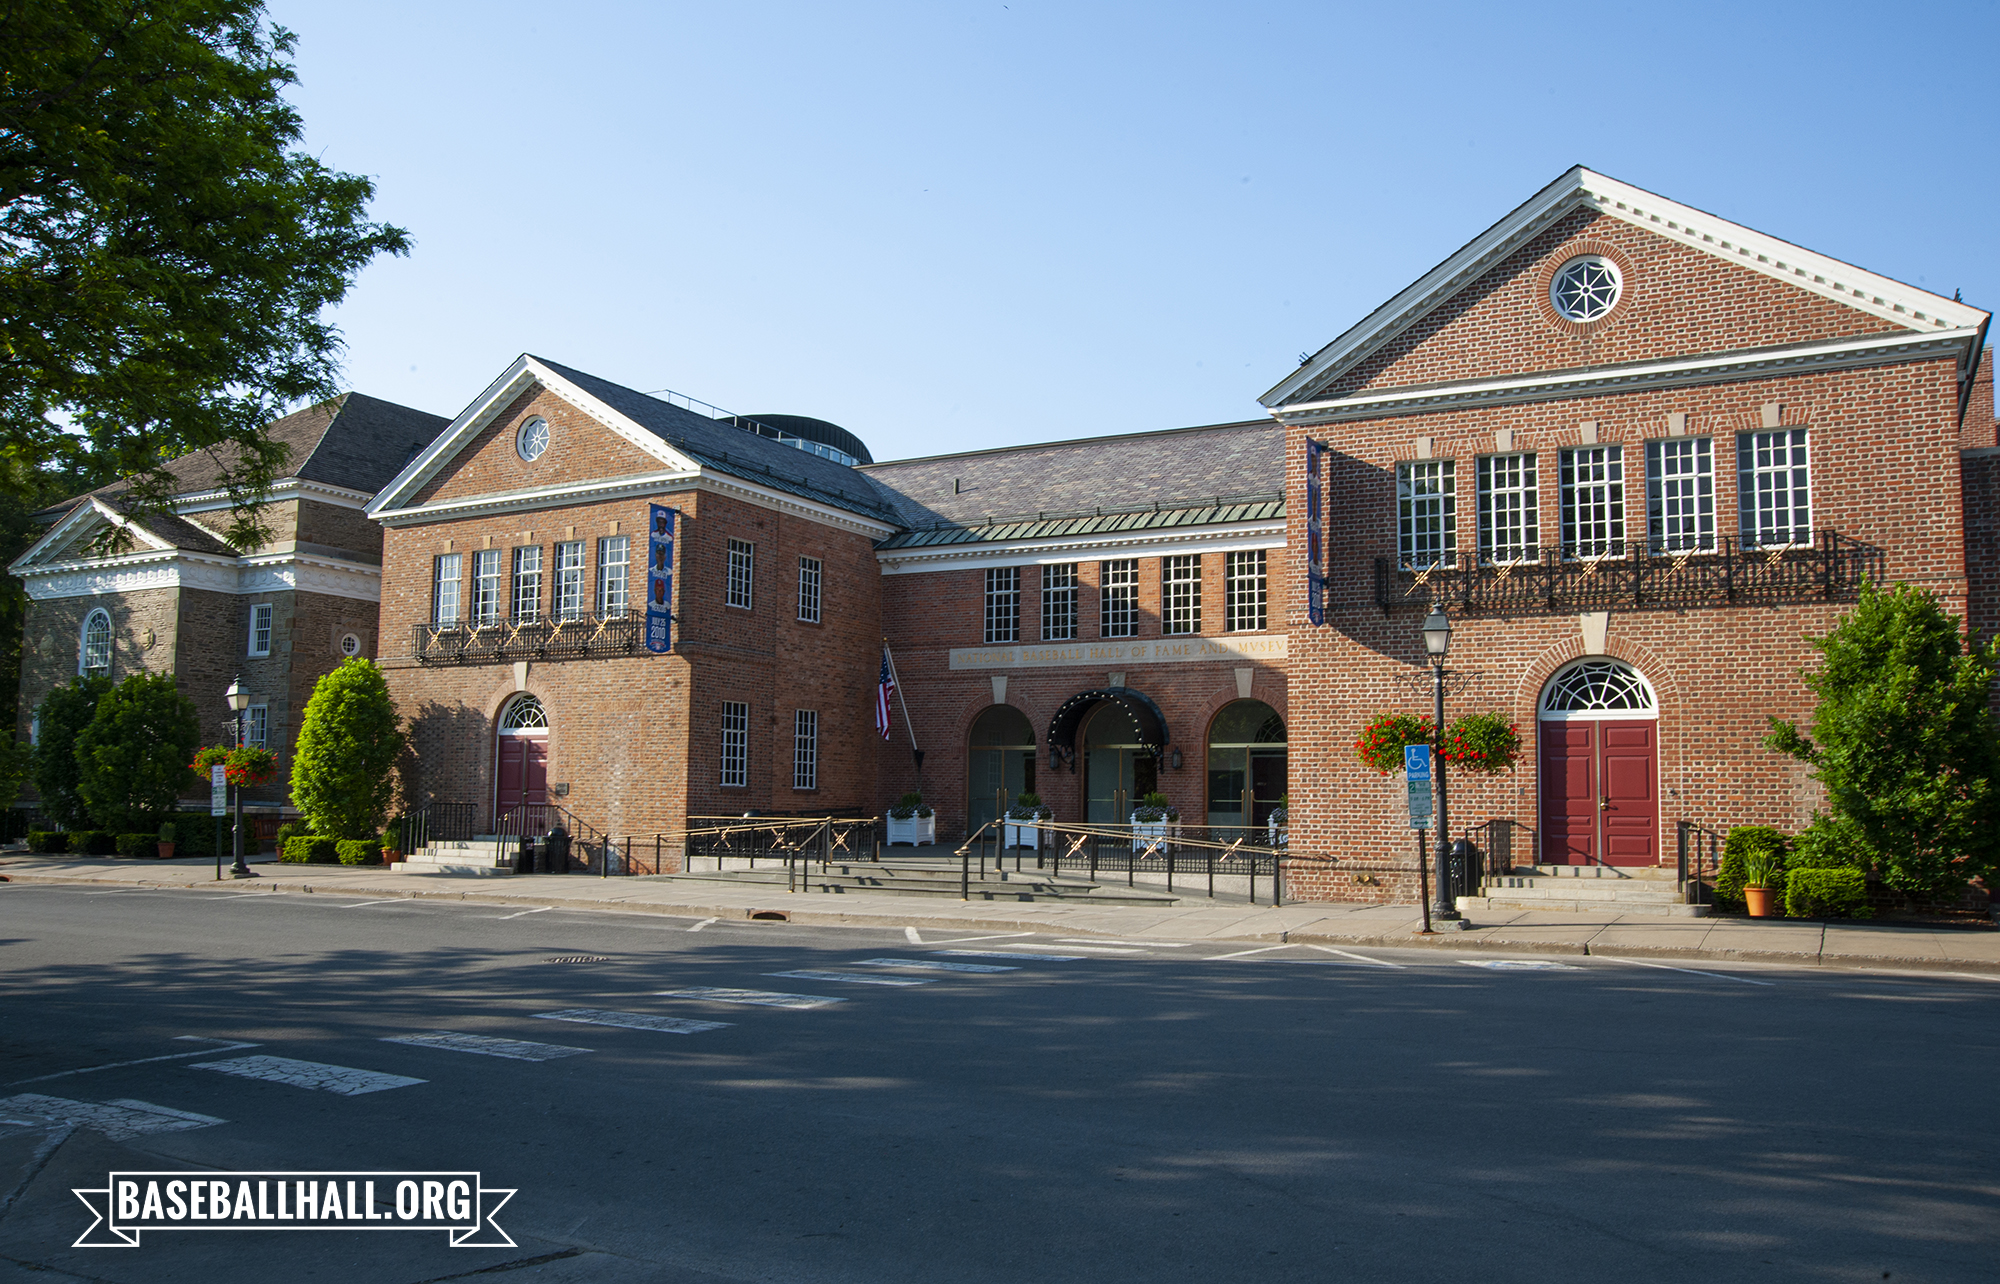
<point>1568,577</point>
<point>589,846</point>
<point>1480,852</point>
<point>541,639</point>
<point>439,822</point>
<point>1195,853</point>
<point>794,840</point>
<point>1697,859</point>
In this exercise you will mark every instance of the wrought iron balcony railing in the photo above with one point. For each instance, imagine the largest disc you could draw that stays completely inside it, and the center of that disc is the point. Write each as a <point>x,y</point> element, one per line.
<point>1582,577</point>
<point>505,640</point>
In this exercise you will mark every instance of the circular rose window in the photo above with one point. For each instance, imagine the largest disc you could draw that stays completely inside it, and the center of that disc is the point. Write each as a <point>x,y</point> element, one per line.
<point>350,645</point>
<point>532,439</point>
<point>1585,288</point>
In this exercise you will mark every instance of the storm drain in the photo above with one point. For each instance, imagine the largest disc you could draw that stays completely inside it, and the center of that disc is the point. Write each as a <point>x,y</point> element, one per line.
<point>580,958</point>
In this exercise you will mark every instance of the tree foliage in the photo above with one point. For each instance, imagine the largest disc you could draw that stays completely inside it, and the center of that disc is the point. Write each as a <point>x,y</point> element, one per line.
<point>132,760</point>
<point>165,258</point>
<point>1903,739</point>
<point>342,769</point>
<point>62,716</point>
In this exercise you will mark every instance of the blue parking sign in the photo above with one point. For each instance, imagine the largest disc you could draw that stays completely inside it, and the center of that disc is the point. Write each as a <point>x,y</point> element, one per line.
<point>1417,761</point>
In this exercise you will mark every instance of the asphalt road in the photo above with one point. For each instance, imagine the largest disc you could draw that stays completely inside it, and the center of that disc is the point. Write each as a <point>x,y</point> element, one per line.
<point>1170,1113</point>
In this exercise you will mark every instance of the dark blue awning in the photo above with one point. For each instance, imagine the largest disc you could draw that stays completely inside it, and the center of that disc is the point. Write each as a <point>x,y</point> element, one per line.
<point>1151,722</point>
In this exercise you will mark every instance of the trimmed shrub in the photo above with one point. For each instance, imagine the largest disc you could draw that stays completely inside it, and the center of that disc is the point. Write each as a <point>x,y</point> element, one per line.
<point>292,829</point>
<point>139,846</point>
<point>359,851</point>
<point>94,842</point>
<point>306,849</point>
<point>1827,893</point>
<point>1739,845</point>
<point>1830,843</point>
<point>51,841</point>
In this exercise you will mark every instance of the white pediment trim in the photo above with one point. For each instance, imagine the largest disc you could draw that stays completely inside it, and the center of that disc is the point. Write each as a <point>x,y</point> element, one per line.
<point>637,486</point>
<point>177,569</point>
<point>80,524</point>
<point>1893,301</point>
<point>285,488</point>
<point>1122,544</point>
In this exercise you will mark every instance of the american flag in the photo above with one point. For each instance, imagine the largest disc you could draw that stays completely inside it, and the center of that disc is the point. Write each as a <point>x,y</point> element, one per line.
<point>885,687</point>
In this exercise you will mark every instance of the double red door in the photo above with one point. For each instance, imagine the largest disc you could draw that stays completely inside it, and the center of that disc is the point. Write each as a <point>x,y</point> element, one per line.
<point>1600,792</point>
<point>521,773</point>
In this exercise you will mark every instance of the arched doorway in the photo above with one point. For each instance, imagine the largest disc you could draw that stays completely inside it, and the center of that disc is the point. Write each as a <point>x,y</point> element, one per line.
<point>1599,736</point>
<point>1246,764</point>
<point>520,756</point>
<point>1119,766</point>
<point>1000,757</point>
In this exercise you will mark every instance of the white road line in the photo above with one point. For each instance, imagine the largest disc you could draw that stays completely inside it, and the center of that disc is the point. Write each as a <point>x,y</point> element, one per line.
<point>486,1046</point>
<point>1015,954</point>
<point>1094,949</point>
<point>937,965</point>
<point>910,935</point>
<point>386,900</point>
<point>1690,971</point>
<point>756,998</point>
<point>539,909</point>
<point>226,1046</point>
<point>854,977</point>
<point>1150,945</point>
<point>967,940</point>
<point>345,1081</point>
<point>1244,954</point>
<point>1519,965</point>
<point>704,923</point>
<point>633,1020</point>
<point>119,1120</point>
<point>1362,958</point>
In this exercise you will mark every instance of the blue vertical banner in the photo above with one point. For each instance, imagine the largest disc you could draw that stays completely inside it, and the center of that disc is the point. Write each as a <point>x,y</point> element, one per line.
<point>1315,536</point>
<point>660,579</point>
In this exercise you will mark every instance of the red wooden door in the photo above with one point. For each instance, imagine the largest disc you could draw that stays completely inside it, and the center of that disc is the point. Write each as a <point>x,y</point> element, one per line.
<point>1600,792</point>
<point>1569,793</point>
<point>521,773</point>
<point>1629,787</point>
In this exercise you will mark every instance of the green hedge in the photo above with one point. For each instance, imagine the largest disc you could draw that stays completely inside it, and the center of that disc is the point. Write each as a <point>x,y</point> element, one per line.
<point>1827,893</point>
<point>292,829</point>
<point>304,849</point>
<point>94,842</point>
<point>139,846</point>
<point>51,841</point>
<point>359,851</point>
<point>1741,841</point>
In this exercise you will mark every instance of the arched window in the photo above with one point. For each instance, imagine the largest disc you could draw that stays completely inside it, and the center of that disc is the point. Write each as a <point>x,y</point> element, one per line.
<point>93,653</point>
<point>525,713</point>
<point>1598,689</point>
<point>1246,764</point>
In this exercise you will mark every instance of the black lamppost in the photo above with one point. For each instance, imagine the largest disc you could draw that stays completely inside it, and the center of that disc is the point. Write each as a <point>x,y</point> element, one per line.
<point>1437,641</point>
<point>239,701</point>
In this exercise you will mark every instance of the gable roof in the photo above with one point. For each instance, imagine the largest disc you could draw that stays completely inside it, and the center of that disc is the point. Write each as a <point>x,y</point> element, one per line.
<point>1903,305</point>
<point>70,538</point>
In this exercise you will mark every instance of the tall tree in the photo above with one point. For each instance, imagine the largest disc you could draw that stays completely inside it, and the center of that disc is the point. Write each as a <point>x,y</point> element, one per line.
<point>62,716</point>
<point>1903,739</point>
<point>165,257</point>
<point>348,743</point>
<point>132,760</point>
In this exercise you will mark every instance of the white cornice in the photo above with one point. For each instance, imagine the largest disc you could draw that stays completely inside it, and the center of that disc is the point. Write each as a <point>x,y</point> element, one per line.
<point>91,510</point>
<point>285,488</point>
<point>178,568</point>
<point>1839,354</point>
<point>1894,301</point>
<point>1121,544</point>
<point>611,488</point>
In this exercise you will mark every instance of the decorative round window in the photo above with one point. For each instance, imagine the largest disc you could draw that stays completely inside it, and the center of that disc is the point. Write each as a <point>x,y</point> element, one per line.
<point>1585,288</point>
<point>532,440</point>
<point>524,714</point>
<point>350,645</point>
<point>1598,688</point>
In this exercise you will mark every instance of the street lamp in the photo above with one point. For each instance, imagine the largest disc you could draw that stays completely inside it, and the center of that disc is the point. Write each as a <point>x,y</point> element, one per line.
<point>239,700</point>
<point>1437,641</point>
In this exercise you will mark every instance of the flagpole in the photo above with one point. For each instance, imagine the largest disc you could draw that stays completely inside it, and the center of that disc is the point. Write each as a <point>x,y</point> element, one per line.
<point>908,726</point>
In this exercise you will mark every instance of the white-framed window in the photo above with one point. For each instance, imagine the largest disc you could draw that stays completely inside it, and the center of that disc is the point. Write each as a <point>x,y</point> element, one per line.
<point>1773,488</point>
<point>260,629</point>
<point>1059,602</point>
<point>1003,604</point>
<point>350,645</point>
<point>1509,520</point>
<point>1180,594</point>
<point>486,586</point>
<point>1118,598</point>
<point>527,596</point>
<point>805,749</point>
<point>444,589</point>
<point>1680,495</point>
<point>742,563</point>
<point>531,439</point>
<point>809,581</point>
<point>93,647</point>
<point>257,726</point>
<point>1244,591</point>
<point>614,563</point>
<point>569,580</point>
<point>34,729</point>
<point>1593,501</point>
<point>735,743</point>
<point>1426,511</point>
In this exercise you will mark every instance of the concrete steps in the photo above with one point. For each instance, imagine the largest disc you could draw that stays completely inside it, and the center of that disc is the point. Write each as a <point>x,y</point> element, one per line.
<point>1585,889</point>
<point>934,879</point>
<point>470,858</point>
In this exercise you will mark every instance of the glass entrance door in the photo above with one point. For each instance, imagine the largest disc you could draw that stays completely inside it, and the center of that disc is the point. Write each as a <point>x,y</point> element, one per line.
<point>1117,770</point>
<point>1000,764</point>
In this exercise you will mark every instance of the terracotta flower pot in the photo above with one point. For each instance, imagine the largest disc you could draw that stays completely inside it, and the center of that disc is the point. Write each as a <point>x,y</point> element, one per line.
<point>165,850</point>
<point>1758,899</point>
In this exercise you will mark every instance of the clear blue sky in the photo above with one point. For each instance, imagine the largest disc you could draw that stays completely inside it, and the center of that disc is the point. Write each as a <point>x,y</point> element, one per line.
<point>954,225</point>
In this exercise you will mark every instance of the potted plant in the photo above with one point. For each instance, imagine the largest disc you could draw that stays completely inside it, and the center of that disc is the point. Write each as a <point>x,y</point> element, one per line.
<point>1760,874</point>
<point>1027,806</point>
<point>1280,818</point>
<point>1152,820</point>
<point>910,821</point>
<point>165,849</point>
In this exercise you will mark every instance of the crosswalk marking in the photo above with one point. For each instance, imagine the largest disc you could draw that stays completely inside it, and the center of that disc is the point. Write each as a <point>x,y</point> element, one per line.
<point>345,1081</point>
<point>1094,949</point>
<point>855,977</point>
<point>1690,971</point>
<point>487,1046</point>
<point>759,998</point>
<point>119,1120</point>
<point>910,935</point>
<point>938,965</point>
<point>1015,954</point>
<point>1359,958</point>
<point>1520,965</point>
<point>633,1020</point>
<point>1148,945</point>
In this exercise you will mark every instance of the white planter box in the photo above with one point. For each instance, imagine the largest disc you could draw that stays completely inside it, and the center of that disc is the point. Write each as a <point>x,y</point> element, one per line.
<point>917,831</point>
<point>1143,831</point>
<point>1024,836</point>
<point>1278,834</point>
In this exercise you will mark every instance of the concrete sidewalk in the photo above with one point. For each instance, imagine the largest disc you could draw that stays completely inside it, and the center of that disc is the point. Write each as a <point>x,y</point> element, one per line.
<point>1845,944</point>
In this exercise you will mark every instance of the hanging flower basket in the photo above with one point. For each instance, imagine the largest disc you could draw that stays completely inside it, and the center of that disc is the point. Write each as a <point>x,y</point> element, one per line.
<point>246,766</point>
<point>1380,744</point>
<point>1482,742</point>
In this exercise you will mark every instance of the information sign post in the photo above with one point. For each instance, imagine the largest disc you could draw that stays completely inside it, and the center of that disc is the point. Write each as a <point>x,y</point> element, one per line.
<point>1417,772</point>
<point>218,805</point>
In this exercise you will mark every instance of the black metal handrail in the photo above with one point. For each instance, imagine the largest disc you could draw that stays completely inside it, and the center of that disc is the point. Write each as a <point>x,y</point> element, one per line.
<point>1697,859</point>
<point>539,639</point>
<point>438,822</point>
<point>1194,851</point>
<point>588,845</point>
<point>725,838</point>
<point>1563,577</point>
<point>1481,852</point>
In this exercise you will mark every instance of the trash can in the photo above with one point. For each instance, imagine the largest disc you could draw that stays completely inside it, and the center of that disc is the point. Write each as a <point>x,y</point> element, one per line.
<point>524,856</point>
<point>557,844</point>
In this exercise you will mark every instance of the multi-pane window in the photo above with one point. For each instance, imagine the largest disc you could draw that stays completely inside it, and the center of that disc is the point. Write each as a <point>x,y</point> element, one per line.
<point>94,655</point>
<point>742,555</point>
<point>1680,495</point>
<point>569,580</point>
<point>1243,590</point>
<point>1509,520</point>
<point>735,743</point>
<point>528,584</point>
<point>809,582</point>
<point>1003,604</point>
<point>1118,599</point>
<point>444,589</point>
<point>805,749</point>
<point>1180,594</point>
<point>614,561</point>
<point>1059,602</point>
<point>1593,501</point>
<point>257,726</point>
<point>1426,512</point>
<point>486,586</point>
<point>1773,489</point>
<point>260,629</point>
